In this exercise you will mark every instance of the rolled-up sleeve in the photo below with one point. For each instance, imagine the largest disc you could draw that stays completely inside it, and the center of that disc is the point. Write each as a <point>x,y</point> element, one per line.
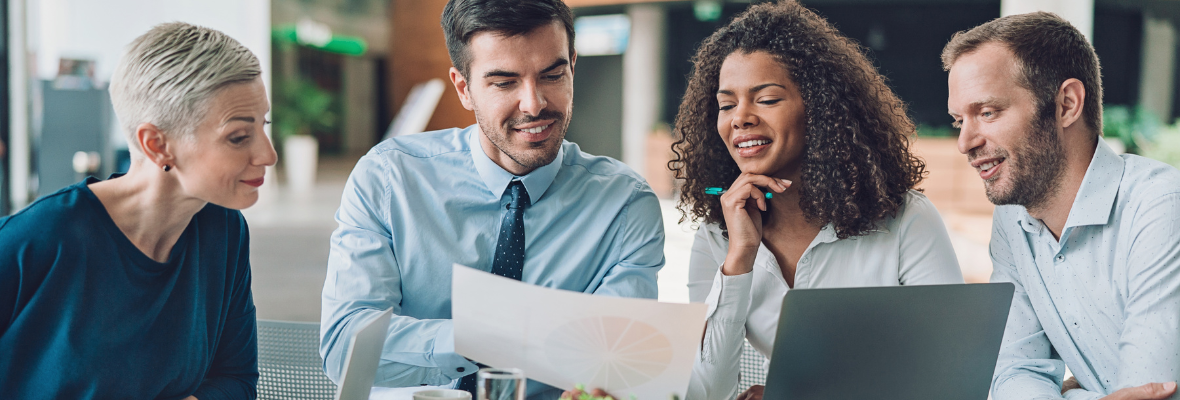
<point>364,278</point>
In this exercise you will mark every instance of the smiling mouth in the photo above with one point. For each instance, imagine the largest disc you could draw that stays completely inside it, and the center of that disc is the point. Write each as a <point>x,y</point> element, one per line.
<point>987,167</point>
<point>535,130</point>
<point>752,143</point>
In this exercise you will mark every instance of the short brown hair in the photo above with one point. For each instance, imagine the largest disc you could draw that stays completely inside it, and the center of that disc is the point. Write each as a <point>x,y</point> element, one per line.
<point>1049,50</point>
<point>462,19</point>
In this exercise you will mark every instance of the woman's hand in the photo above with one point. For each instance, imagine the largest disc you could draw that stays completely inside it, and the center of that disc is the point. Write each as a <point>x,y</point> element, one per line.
<point>742,204</point>
<point>753,393</point>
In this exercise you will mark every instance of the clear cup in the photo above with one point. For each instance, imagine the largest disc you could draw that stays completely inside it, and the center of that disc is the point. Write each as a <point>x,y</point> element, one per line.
<point>500,384</point>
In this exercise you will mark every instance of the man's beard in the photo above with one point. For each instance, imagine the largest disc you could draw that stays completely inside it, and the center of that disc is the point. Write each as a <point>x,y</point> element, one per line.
<point>499,136</point>
<point>1035,176</point>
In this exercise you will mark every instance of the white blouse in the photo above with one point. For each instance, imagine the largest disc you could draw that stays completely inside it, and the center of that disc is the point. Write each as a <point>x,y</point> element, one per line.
<point>911,248</point>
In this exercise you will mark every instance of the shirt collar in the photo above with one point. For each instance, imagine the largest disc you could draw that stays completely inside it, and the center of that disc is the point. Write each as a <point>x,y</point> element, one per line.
<point>827,234</point>
<point>1095,198</point>
<point>497,179</point>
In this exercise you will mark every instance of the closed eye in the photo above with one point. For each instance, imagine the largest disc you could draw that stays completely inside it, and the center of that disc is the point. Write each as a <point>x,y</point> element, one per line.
<point>239,139</point>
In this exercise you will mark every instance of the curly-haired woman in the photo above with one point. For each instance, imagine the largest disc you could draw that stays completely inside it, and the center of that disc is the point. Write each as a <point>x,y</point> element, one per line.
<point>779,102</point>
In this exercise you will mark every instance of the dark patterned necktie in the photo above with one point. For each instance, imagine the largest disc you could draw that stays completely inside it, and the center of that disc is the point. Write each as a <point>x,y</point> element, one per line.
<point>509,258</point>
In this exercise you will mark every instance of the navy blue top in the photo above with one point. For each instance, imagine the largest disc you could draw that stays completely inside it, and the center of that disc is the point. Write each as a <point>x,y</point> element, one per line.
<point>84,314</point>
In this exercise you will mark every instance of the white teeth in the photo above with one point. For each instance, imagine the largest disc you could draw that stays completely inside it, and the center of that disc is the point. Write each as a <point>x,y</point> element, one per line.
<point>535,130</point>
<point>988,166</point>
<point>752,143</point>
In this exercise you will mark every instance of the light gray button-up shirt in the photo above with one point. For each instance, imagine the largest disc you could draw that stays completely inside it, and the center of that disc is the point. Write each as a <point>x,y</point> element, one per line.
<point>1105,299</point>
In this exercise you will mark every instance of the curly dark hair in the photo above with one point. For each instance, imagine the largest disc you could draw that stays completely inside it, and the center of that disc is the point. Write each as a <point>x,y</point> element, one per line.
<point>857,164</point>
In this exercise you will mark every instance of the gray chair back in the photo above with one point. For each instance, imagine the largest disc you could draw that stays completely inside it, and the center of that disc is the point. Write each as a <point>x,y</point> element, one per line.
<point>289,363</point>
<point>751,367</point>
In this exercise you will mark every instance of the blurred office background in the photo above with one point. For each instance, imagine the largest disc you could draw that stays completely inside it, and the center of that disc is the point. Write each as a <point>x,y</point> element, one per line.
<point>340,72</point>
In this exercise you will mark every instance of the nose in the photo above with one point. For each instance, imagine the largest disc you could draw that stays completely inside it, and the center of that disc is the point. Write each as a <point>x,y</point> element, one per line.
<point>742,118</point>
<point>969,137</point>
<point>532,100</point>
<point>265,155</point>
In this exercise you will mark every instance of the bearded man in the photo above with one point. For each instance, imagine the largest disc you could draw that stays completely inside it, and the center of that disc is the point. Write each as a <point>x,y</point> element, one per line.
<point>507,195</point>
<point>1090,238</point>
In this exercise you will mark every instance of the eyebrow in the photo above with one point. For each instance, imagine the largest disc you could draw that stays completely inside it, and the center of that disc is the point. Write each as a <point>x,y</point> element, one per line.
<point>561,62</point>
<point>244,119</point>
<point>754,89</point>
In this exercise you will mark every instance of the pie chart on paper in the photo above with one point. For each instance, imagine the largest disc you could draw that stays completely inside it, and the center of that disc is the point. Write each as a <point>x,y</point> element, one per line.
<point>609,352</point>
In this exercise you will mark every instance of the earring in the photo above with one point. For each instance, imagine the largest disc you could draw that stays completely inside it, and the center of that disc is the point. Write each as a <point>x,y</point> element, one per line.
<point>167,167</point>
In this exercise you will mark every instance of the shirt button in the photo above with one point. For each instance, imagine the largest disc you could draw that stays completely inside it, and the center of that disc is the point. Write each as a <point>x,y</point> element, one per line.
<point>1060,257</point>
<point>460,369</point>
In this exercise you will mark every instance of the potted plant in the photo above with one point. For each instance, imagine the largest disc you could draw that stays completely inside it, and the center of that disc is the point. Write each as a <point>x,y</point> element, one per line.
<point>300,109</point>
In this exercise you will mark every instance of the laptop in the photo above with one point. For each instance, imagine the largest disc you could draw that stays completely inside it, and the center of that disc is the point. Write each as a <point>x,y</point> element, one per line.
<point>364,352</point>
<point>885,343</point>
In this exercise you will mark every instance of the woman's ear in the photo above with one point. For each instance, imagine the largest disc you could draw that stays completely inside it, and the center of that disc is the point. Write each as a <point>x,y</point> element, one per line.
<point>155,144</point>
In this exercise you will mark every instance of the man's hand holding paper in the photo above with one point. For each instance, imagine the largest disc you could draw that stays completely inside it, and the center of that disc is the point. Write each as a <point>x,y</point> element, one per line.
<point>627,347</point>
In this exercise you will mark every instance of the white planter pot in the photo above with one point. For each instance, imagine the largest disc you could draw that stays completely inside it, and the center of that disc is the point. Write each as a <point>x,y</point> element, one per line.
<point>299,162</point>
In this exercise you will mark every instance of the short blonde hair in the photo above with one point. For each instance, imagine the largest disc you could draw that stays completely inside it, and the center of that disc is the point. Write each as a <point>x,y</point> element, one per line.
<point>169,74</point>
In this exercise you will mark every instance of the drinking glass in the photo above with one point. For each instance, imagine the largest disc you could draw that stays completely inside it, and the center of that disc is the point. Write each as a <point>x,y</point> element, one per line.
<point>500,384</point>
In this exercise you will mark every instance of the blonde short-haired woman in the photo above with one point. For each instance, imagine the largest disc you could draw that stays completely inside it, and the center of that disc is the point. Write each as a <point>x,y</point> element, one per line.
<point>138,286</point>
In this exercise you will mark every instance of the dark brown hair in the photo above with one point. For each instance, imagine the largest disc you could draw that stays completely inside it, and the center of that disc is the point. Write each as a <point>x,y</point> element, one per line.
<point>857,164</point>
<point>1048,50</point>
<point>462,19</point>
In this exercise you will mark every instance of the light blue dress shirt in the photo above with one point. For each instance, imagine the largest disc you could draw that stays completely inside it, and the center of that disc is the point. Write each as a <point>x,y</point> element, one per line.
<point>417,204</point>
<point>1105,299</point>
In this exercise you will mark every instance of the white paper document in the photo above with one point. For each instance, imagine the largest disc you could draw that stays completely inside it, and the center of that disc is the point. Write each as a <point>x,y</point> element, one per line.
<point>628,347</point>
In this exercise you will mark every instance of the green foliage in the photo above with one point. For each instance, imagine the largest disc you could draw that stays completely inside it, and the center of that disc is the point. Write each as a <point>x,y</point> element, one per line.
<point>1134,126</point>
<point>1142,133</point>
<point>580,389</point>
<point>1165,146</point>
<point>301,107</point>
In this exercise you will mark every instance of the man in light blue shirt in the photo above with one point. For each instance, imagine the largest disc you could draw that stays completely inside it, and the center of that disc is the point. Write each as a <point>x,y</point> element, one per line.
<point>1091,239</point>
<point>414,205</point>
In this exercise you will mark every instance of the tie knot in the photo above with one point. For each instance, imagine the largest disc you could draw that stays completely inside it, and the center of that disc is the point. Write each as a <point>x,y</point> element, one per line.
<point>518,196</point>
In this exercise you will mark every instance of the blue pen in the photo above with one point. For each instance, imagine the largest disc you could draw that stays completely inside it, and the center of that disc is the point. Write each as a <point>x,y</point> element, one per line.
<point>716,191</point>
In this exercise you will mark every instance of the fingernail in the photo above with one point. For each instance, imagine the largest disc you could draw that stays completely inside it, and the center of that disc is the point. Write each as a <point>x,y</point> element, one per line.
<point>1169,385</point>
<point>786,182</point>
